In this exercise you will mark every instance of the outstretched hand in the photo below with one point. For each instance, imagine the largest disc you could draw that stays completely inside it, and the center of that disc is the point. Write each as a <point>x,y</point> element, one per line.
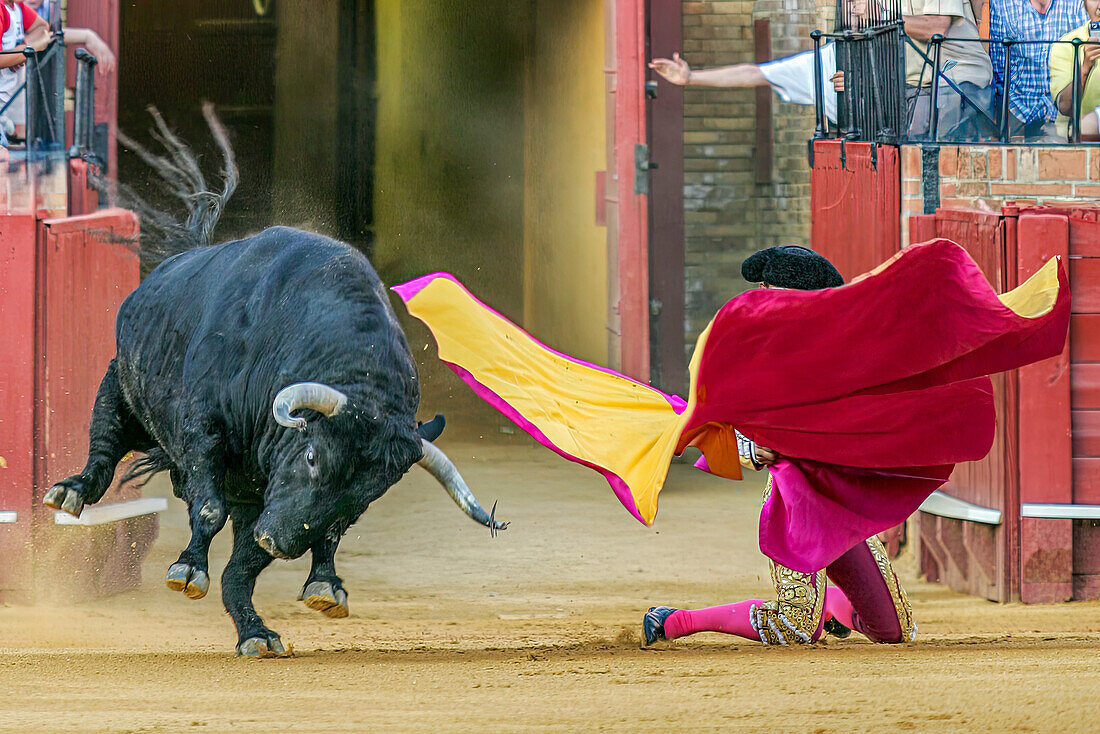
<point>103,54</point>
<point>675,70</point>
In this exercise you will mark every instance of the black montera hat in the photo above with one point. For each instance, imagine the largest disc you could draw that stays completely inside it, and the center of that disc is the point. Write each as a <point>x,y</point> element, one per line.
<point>791,266</point>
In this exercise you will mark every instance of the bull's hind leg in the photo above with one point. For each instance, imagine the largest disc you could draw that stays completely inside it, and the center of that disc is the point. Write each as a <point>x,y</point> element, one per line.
<point>324,590</point>
<point>200,483</point>
<point>246,562</point>
<point>113,433</point>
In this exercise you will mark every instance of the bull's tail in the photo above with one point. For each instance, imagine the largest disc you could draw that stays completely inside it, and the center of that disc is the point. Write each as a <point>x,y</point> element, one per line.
<point>145,467</point>
<point>162,234</point>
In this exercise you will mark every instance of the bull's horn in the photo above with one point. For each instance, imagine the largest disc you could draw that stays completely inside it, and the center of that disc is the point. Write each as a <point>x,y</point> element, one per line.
<point>313,395</point>
<point>440,467</point>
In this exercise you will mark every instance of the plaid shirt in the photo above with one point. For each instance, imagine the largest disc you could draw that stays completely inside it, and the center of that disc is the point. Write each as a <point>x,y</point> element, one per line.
<point>1029,87</point>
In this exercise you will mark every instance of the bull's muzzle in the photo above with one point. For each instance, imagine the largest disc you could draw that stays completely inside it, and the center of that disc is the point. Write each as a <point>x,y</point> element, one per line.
<point>265,541</point>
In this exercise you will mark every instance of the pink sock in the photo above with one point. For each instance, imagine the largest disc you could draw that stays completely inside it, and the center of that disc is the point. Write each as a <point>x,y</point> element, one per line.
<point>732,619</point>
<point>838,607</point>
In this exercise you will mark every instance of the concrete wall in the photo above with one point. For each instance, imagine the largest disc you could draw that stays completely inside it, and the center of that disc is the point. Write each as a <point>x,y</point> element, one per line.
<point>449,148</point>
<point>305,131</point>
<point>565,293</point>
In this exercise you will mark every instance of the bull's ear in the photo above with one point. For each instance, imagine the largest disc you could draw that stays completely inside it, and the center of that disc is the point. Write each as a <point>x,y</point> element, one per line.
<point>431,430</point>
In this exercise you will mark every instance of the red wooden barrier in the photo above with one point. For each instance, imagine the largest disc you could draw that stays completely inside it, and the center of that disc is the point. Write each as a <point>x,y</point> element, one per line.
<point>1044,468</point>
<point>61,283</point>
<point>855,203</point>
<point>17,377</point>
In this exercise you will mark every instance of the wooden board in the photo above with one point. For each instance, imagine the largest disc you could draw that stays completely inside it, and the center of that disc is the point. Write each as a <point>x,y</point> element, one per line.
<point>17,378</point>
<point>855,203</point>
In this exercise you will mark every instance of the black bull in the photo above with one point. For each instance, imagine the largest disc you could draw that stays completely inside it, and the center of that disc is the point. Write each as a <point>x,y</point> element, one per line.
<point>270,377</point>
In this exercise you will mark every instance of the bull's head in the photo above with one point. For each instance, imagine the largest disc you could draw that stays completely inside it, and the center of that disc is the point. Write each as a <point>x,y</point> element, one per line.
<point>324,477</point>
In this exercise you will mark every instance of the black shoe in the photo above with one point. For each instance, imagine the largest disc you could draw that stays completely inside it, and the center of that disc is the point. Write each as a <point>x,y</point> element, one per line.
<point>653,624</point>
<point>836,629</point>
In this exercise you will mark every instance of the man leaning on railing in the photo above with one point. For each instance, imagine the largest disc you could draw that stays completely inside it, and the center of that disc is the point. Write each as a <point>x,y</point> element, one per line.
<point>967,65</point>
<point>1061,76</point>
<point>1029,99</point>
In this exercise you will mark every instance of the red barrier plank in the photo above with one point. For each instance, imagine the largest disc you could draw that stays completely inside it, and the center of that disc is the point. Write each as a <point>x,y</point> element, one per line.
<point>1085,386</point>
<point>1084,337</point>
<point>1046,444</point>
<point>1084,284</point>
<point>1086,433</point>
<point>1084,237</point>
<point>922,228</point>
<point>17,370</point>
<point>1046,560</point>
<point>1046,472</point>
<point>1086,547</point>
<point>85,282</point>
<point>1086,480</point>
<point>855,183</point>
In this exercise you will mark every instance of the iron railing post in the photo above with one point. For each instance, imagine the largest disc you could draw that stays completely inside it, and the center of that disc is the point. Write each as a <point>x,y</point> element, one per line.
<point>83,116</point>
<point>934,112</point>
<point>31,101</point>
<point>57,101</point>
<point>1005,112</point>
<point>1075,94</point>
<point>819,87</point>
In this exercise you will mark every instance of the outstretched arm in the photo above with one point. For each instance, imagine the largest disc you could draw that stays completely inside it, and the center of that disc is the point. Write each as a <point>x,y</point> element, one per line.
<point>96,46</point>
<point>677,71</point>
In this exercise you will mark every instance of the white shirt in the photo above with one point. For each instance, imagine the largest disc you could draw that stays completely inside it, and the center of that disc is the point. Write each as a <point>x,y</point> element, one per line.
<point>13,36</point>
<point>793,78</point>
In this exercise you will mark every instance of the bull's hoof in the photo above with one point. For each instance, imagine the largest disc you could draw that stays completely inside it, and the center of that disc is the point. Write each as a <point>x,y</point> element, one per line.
<point>264,647</point>
<point>193,582</point>
<point>67,496</point>
<point>321,595</point>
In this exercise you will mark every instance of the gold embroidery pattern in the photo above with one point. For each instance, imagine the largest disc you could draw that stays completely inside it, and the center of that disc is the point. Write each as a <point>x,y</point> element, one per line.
<point>796,614</point>
<point>897,593</point>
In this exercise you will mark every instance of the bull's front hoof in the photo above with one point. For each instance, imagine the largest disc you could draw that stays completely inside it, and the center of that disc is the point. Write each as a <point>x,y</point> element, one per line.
<point>264,647</point>
<point>193,582</point>
<point>332,602</point>
<point>66,495</point>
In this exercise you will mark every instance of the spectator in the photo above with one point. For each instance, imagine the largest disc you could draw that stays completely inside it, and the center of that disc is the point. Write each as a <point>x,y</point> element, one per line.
<point>792,77</point>
<point>22,27</point>
<point>967,64</point>
<point>1061,76</point>
<point>1029,99</point>
<point>47,10</point>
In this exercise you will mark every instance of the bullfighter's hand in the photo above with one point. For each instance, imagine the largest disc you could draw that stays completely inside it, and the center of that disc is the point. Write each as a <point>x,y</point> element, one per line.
<point>675,70</point>
<point>838,81</point>
<point>765,456</point>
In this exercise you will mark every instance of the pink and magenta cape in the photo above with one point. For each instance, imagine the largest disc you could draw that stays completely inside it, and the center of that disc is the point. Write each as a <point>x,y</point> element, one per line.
<point>871,392</point>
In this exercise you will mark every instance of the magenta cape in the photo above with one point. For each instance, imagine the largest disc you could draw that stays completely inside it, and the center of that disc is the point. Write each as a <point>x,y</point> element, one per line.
<point>871,391</point>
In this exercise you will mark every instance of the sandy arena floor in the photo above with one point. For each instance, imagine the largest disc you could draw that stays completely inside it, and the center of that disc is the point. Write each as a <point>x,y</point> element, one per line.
<point>535,630</point>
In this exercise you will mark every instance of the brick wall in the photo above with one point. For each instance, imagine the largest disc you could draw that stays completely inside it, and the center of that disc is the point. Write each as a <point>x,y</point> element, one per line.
<point>974,176</point>
<point>727,215</point>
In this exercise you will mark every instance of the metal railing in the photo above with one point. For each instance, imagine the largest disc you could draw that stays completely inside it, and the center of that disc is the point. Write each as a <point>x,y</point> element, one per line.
<point>873,62</point>
<point>44,97</point>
